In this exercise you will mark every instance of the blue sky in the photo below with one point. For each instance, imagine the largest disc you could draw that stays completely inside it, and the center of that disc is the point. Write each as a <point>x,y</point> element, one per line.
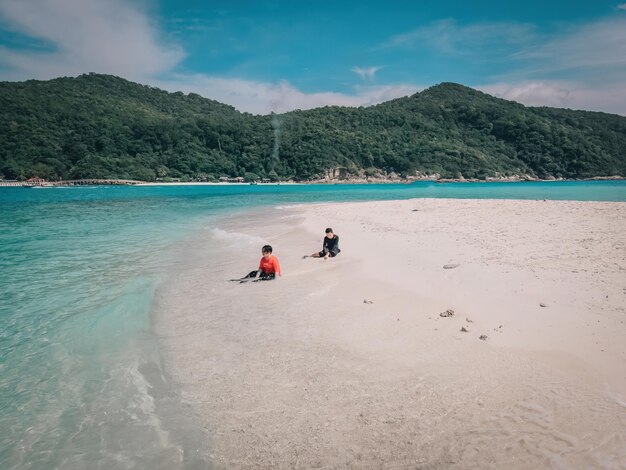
<point>277,56</point>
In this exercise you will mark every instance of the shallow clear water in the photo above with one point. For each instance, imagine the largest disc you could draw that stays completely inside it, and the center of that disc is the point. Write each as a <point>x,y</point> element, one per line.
<point>81,381</point>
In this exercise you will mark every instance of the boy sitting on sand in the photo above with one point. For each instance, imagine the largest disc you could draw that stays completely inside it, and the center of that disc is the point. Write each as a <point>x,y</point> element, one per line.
<point>269,267</point>
<point>330,247</point>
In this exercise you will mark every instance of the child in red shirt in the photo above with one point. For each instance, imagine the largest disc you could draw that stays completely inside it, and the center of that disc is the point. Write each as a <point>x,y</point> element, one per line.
<point>269,267</point>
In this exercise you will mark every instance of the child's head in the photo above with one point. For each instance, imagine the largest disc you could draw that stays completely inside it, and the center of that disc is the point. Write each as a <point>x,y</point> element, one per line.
<point>329,232</point>
<point>266,251</point>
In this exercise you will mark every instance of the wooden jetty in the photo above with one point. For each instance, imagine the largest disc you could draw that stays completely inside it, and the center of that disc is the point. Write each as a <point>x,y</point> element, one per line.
<point>86,182</point>
<point>96,182</point>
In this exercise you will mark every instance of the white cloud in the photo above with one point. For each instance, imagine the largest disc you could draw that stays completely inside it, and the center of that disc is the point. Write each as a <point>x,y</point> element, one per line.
<point>449,37</point>
<point>88,36</point>
<point>262,97</point>
<point>609,98</point>
<point>578,66</point>
<point>526,52</point>
<point>382,93</point>
<point>531,93</point>
<point>366,73</point>
<point>594,46</point>
<point>621,6</point>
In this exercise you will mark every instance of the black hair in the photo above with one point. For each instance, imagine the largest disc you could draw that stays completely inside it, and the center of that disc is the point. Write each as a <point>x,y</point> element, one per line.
<point>329,230</point>
<point>266,249</point>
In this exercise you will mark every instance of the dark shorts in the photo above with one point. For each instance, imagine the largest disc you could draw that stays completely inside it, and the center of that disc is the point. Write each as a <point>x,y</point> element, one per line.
<point>330,253</point>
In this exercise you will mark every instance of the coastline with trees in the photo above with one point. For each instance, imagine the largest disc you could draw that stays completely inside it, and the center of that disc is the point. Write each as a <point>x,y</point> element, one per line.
<point>104,127</point>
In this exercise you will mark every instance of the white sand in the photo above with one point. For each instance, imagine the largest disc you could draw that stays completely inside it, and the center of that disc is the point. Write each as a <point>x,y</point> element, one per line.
<point>302,373</point>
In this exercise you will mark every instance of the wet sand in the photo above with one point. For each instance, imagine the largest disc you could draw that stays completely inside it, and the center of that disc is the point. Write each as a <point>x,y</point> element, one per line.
<point>347,363</point>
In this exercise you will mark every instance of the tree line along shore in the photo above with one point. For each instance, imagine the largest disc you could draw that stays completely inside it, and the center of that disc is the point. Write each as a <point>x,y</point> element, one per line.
<point>104,127</point>
<point>39,182</point>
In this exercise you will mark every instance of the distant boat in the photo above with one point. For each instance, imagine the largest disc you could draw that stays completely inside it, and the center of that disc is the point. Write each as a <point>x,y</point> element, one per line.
<point>35,183</point>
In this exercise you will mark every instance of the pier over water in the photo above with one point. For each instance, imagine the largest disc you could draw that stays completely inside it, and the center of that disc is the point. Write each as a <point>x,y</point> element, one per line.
<point>84,182</point>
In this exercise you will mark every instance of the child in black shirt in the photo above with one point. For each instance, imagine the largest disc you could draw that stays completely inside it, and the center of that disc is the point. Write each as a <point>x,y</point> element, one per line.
<point>330,247</point>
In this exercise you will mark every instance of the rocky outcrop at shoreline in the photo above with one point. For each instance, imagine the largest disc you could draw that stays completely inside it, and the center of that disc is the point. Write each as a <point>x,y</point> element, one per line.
<point>341,176</point>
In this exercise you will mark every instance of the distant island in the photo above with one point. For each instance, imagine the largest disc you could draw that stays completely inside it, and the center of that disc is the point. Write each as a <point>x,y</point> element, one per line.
<point>104,127</point>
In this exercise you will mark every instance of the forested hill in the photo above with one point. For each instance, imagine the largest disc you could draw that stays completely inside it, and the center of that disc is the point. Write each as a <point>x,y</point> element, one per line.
<point>100,126</point>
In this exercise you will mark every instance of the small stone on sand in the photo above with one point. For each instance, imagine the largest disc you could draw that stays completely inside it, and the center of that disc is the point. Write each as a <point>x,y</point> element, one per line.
<point>447,313</point>
<point>450,266</point>
<point>368,301</point>
<point>483,337</point>
<point>469,320</point>
<point>464,330</point>
<point>543,305</point>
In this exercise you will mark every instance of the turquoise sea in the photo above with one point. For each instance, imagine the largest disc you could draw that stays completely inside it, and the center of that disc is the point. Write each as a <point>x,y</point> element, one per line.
<point>81,378</point>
